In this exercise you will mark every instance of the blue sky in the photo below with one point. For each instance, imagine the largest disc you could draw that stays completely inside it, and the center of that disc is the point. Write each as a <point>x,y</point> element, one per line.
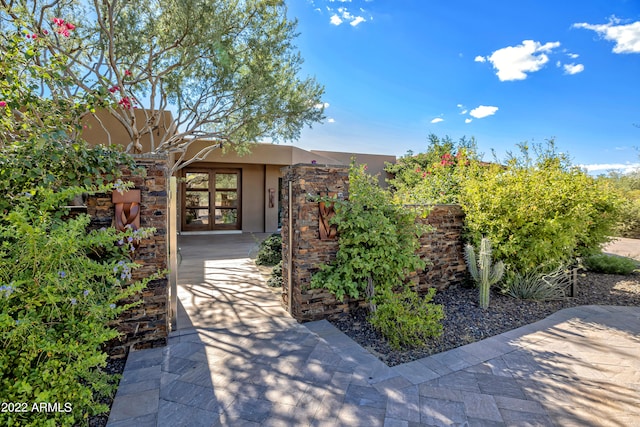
<point>502,71</point>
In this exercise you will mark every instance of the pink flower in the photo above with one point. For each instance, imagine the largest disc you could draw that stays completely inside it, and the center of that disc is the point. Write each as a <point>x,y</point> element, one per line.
<point>128,73</point>
<point>45,32</point>
<point>3,104</point>
<point>63,28</point>
<point>34,36</point>
<point>63,31</point>
<point>114,89</point>
<point>125,103</point>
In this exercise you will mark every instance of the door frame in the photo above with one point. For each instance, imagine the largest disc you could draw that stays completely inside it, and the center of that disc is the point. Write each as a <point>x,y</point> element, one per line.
<point>211,225</point>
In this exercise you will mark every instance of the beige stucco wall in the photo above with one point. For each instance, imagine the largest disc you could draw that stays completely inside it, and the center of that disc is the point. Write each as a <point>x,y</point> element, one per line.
<point>272,173</point>
<point>252,201</point>
<point>261,153</point>
<point>375,162</point>
<point>94,129</point>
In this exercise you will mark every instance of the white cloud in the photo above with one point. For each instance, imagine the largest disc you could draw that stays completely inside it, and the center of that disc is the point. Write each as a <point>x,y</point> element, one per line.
<point>437,120</point>
<point>573,68</point>
<point>483,111</point>
<point>357,20</point>
<point>322,105</point>
<point>621,167</point>
<point>514,62</point>
<point>463,109</point>
<point>468,120</point>
<point>354,21</point>
<point>480,59</point>
<point>342,15</point>
<point>331,120</point>
<point>626,37</point>
<point>572,55</point>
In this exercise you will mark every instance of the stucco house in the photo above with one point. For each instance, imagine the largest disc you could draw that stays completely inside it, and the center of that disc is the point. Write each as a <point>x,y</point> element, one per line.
<point>227,192</point>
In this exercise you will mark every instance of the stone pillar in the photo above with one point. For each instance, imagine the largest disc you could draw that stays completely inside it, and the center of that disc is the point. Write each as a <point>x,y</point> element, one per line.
<point>308,250</point>
<point>146,325</point>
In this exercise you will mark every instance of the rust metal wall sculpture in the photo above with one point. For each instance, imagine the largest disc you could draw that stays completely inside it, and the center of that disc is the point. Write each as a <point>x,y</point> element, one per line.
<point>327,230</point>
<point>127,209</point>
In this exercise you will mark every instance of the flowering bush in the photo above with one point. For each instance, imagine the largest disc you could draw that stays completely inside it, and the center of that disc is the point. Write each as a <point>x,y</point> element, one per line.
<point>60,285</point>
<point>434,176</point>
<point>59,289</point>
<point>40,145</point>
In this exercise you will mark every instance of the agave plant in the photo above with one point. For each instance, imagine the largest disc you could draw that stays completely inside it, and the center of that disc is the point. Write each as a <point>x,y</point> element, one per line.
<point>483,272</point>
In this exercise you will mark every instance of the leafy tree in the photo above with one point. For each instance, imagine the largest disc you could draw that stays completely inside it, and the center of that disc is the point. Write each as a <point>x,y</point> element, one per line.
<point>229,69</point>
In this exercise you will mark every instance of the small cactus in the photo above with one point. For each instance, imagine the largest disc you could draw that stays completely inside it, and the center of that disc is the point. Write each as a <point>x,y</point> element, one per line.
<point>483,273</point>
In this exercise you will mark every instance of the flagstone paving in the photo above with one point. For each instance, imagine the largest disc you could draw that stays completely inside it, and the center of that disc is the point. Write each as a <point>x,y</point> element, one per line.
<point>239,359</point>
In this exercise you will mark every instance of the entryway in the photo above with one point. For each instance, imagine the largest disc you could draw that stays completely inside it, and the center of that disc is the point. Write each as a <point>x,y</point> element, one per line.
<point>211,199</point>
<point>219,283</point>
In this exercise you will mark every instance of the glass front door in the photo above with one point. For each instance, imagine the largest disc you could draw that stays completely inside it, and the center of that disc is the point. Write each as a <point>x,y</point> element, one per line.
<point>211,199</point>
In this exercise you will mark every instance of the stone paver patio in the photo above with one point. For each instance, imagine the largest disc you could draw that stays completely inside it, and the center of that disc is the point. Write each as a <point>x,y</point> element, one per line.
<point>239,359</point>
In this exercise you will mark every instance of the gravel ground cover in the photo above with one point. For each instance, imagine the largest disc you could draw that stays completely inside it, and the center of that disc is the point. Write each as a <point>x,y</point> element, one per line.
<point>465,322</point>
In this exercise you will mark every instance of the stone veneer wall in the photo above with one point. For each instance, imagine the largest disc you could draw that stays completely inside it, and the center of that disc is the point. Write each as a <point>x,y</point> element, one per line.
<point>308,251</point>
<point>146,325</point>
<point>443,247</point>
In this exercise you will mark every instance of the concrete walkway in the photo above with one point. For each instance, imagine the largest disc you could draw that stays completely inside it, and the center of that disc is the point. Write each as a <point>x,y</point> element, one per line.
<point>243,361</point>
<point>624,247</point>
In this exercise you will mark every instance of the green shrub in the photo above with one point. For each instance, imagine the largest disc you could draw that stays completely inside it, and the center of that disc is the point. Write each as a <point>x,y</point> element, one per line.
<point>377,241</point>
<point>270,252</point>
<point>408,320</point>
<point>61,286</point>
<point>541,212</point>
<point>377,244</point>
<point>629,225</point>
<point>538,285</point>
<point>276,276</point>
<point>628,184</point>
<point>610,264</point>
